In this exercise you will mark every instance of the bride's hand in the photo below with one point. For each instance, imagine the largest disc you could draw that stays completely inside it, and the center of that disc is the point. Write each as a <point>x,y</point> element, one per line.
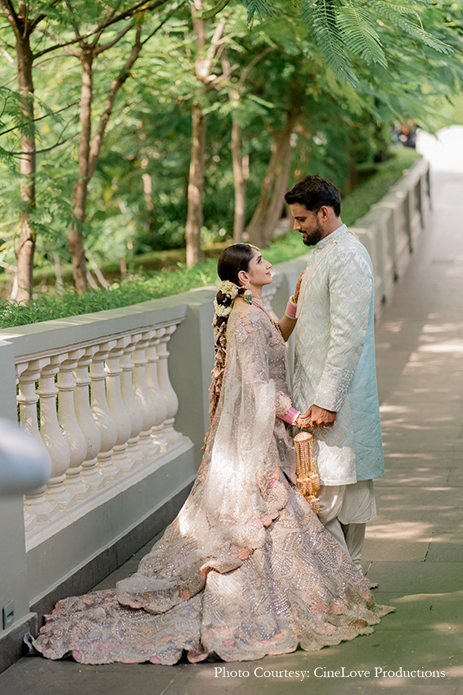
<point>291,307</point>
<point>288,321</point>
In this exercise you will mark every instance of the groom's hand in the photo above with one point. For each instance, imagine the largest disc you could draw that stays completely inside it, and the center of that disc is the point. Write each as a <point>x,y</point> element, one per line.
<point>317,418</point>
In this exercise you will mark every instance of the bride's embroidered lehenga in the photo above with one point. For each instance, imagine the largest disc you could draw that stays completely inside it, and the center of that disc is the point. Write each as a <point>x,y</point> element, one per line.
<point>246,569</point>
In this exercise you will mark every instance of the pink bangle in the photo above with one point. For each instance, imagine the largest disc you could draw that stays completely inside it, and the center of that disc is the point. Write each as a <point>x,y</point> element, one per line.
<point>290,416</point>
<point>291,310</point>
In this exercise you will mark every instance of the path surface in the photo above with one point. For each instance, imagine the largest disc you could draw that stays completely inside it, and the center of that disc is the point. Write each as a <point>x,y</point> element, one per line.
<point>414,547</point>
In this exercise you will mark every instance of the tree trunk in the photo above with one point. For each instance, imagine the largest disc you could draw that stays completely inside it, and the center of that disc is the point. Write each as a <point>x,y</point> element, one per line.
<point>268,210</point>
<point>195,186</point>
<point>75,237</point>
<point>240,184</point>
<point>194,218</point>
<point>275,209</point>
<point>88,155</point>
<point>237,158</point>
<point>26,246</point>
<point>116,85</point>
<point>239,176</point>
<point>148,191</point>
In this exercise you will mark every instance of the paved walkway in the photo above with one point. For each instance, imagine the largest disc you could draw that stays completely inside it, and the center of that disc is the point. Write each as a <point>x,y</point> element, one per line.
<point>414,547</point>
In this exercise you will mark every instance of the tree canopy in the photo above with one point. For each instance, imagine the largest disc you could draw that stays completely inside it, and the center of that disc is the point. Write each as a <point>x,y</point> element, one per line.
<point>132,126</point>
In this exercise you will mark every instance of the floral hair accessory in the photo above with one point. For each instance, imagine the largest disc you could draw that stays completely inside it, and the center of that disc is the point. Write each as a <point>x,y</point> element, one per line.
<point>220,309</point>
<point>227,288</point>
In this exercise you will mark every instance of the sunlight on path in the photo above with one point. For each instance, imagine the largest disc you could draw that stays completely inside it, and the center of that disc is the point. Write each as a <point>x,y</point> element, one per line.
<point>444,150</point>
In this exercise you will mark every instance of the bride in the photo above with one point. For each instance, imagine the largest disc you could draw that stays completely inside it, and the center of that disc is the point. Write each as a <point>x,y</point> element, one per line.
<point>246,569</point>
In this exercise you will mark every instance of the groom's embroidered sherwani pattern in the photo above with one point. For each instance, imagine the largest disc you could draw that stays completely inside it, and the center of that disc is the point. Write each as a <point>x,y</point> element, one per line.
<point>335,358</point>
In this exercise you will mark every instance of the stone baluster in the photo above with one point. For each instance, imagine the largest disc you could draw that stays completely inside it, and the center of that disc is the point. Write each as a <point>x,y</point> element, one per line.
<point>168,392</point>
<point>143,397</point>
<point>52,436</point>
<point>30,519</point>
<point>155,391</point>
<point>90,473</point>
<point>117,408</point>
<point>130,402</point>
<point>101,412</point>
<point>37,507</point>
<point>72,433</point>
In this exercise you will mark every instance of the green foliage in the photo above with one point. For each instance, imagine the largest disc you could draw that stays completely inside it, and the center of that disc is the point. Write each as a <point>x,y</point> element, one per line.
<point>331,67</point>
<point>346,29</point>
<point>359,31</point>
<point>397,14</point>
<point>321,18</point>
<point>262,9</point>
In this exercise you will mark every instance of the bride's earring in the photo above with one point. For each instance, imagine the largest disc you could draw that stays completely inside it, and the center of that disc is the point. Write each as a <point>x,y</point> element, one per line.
<point>247,296</point>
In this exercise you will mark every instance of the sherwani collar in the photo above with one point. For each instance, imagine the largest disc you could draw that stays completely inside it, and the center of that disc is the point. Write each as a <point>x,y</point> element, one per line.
<point>334,236</point>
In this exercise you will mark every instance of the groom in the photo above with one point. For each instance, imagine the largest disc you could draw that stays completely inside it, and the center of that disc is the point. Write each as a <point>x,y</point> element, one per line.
<point>335,375</point>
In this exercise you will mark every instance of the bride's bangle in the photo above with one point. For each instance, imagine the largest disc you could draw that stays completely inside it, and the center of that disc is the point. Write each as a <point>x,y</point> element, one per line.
<point>291,309</point>
<point>290,416</point>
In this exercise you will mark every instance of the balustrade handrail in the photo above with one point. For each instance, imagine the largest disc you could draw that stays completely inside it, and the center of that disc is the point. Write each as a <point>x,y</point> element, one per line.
<point>94,341</point>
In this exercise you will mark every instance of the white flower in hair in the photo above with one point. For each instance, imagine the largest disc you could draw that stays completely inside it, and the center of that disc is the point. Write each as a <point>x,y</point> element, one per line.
<point>228,288</point>
<point>220,309</point>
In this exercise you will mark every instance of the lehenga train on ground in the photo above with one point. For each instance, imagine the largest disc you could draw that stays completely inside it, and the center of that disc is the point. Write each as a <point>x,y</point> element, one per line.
<point>246,569</point>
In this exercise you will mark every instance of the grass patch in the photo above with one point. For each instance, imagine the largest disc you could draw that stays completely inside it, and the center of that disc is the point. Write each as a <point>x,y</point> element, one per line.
<point>62,302</point>
<point>59,303</point>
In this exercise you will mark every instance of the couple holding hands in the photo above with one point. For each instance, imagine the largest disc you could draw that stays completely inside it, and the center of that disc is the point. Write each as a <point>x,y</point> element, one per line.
<point>247,569</point>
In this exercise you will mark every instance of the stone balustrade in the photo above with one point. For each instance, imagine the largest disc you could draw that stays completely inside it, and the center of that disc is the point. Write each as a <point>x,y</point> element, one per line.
<point>391,227</point>
<point>95,392</point>
<point>102,410</point>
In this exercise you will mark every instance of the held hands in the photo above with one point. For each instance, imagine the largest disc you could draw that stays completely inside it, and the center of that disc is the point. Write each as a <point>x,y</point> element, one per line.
<point>316,418</point>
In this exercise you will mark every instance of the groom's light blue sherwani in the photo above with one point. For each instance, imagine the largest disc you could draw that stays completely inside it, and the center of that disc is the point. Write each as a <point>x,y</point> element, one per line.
<point>335,358</point>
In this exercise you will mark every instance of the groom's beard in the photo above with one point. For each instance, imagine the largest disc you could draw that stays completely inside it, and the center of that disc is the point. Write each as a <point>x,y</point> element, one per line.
<point>312,238</point>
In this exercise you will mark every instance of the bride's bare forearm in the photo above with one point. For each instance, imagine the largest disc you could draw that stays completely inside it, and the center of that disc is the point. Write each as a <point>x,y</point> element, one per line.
<point>286,326</point>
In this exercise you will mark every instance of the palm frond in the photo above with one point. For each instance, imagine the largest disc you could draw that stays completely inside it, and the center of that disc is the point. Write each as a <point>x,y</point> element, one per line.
<point>260,9</point>
<point>397,14</point>
<point>358,32</point>
<point>321,19</point>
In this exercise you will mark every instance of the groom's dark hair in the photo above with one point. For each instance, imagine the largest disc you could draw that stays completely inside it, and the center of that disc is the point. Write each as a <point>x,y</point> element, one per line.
<point>313,192</point>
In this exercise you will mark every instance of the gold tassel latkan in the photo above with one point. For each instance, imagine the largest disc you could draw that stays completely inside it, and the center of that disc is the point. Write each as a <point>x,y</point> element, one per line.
<point>308,480</point>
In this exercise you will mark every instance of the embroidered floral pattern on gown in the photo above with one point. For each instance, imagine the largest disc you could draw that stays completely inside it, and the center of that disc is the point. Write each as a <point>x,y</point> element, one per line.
<point>246,569</point>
